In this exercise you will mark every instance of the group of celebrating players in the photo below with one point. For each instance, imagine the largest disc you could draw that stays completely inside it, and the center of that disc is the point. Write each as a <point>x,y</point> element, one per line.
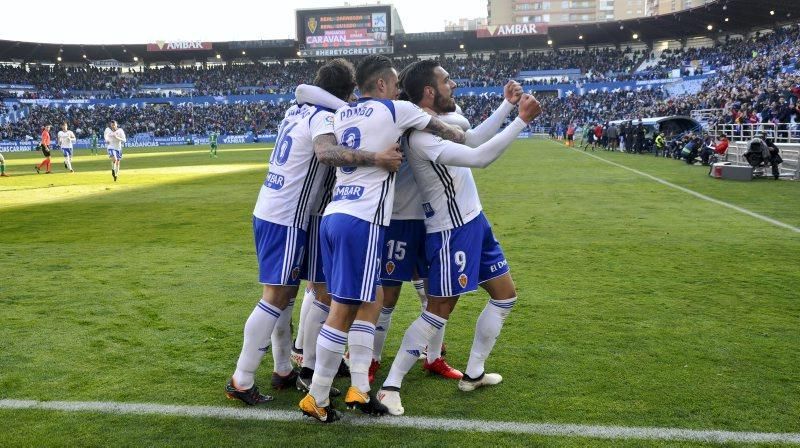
<point>359,197</point>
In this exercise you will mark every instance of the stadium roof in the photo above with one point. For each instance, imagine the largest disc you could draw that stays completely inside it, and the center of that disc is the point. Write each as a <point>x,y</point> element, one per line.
<point>741,15</point>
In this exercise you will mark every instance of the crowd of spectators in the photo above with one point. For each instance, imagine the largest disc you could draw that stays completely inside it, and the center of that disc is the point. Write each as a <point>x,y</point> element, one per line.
<point>155,120</point>
<point>755,82</point>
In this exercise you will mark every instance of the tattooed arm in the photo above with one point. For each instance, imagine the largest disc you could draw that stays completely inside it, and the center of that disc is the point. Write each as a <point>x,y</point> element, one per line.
<point>329,152</point>
<point>445,131</point>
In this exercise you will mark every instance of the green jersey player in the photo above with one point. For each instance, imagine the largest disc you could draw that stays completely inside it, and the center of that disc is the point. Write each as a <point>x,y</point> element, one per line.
<point>212,139</point>
<point>93,140</point>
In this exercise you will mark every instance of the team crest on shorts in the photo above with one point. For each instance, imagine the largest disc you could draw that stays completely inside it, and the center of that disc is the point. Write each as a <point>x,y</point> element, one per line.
<point>295,273</point>
<point>462,280</point>
<point>390,267</point>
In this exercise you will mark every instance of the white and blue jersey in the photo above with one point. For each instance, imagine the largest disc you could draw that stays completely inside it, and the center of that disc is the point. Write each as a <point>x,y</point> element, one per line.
<point>290,192</point>
<point>449,194</point>
<point>460,247</point>
<point>367,192</point>
<point>312,266</point>
<point>293,184</point>
<point>65,141</point>
<point>354,223</point>
<point>114,140</point>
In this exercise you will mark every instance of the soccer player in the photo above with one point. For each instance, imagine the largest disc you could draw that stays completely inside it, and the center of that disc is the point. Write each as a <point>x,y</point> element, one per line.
<point>114,137</point>
<point>44,145</point>
<point>212,138</point>
<point>65,140</point>
<point>352,231</point>
<point>93,142</point>
<point>3,167</point>
<point>280,220</point>
<point>462,252</point>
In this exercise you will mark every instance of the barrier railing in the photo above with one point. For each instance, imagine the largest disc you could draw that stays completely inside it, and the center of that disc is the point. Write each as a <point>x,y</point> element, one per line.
<point>704,116</point>
<point>779,133</point>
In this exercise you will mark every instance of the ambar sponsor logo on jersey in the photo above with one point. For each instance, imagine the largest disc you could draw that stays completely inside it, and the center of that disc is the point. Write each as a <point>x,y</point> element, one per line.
<point>274,181</point>
<point>347,192</point>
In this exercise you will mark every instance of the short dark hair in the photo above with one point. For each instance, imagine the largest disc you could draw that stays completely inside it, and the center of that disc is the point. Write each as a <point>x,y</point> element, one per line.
<point>401,77</point>
<point>337,78</point>
<point>419,75</point>
<point>370,69</point>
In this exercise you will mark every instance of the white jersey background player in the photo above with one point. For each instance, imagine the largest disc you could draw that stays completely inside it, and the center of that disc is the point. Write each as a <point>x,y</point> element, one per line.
<point>461,249</point>
<point>66,139</point>
<point>280,220</point>
<point>352,230</point>
<point>114,137</point>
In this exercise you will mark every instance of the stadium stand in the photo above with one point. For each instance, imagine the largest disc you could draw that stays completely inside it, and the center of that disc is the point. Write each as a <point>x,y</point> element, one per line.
<point>744,84</point>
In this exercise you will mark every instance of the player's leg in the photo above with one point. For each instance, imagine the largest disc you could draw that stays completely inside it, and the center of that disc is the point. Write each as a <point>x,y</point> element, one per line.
<point>3,166</point>
<point>117,162</point>
<point>68,160</point>
<point>279,250</point>
<point>112,158</point>
<point>453,257</point>
<point>418,335</point>
<point>297,345</point>
<point>391,294</point>
<point>352,265</point>
<point>314,315</point>
<point>283,375</point>
<point>496,279</point>
<point>403,243</point>
<point>316,318</point>
<point>361,342</point>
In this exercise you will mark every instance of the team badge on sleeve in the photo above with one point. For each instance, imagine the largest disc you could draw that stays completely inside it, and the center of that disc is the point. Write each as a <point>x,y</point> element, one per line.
<point>295,273</point>
<point>390,267</point>
<point>462,280</point>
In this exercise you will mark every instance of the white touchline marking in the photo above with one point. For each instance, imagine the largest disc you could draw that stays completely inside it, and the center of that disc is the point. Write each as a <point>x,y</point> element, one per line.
<point>427,423</point>
<point>697,195</point>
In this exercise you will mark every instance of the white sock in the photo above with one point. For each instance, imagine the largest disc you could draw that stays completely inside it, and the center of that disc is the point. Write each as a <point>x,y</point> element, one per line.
<point>257,331</point>
<point>330,349</point>
<point>487,330</point>
<point>381,330</point>
<point>68,161</point>
<point>308,298</point>
<point>317,315</point>
<point>435,346</point>
<point>282,342</point>
<point>415,339</point>
<point>419,287</point>
<point>361,339</point>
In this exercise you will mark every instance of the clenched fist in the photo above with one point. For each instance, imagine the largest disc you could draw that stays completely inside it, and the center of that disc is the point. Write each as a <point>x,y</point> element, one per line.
<point>529,108</point>
<point>512,92</point>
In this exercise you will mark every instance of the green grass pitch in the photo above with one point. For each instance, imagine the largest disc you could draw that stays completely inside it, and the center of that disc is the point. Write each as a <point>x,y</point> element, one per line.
<point>640,305</point>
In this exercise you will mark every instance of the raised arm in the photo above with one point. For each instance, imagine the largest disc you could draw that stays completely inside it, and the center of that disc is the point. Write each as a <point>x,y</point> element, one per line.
<point>512,93</point>
<point>329,152</point>
<point>306,93</point>
<point>449,153</point>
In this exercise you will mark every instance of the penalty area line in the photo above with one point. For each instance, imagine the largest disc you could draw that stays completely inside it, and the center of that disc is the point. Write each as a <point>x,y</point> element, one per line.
<point>424,423</point>
<point>772,221</point>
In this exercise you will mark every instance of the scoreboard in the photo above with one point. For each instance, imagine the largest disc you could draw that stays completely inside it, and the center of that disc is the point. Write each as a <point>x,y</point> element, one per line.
<point>344,31</point>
